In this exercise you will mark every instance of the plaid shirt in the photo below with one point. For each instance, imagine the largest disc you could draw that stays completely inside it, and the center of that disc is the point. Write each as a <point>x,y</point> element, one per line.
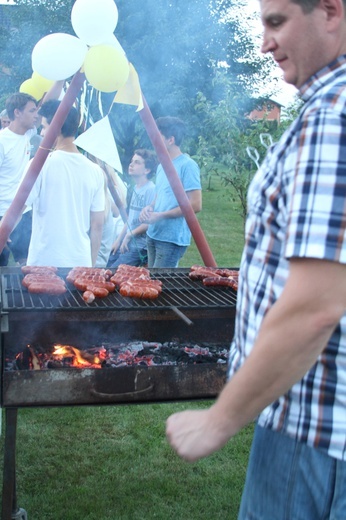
<point>297,208</point>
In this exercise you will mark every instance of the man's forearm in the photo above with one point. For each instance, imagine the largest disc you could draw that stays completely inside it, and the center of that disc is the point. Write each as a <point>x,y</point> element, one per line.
<point>95,242</point>
<point>294,332</point>
<point>96,228</point>
<point>284,351</point>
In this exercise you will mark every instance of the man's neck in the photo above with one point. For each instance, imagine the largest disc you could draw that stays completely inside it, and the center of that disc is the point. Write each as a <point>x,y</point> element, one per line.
<point>141,181</point>
<point>66,144</point>
<point>174,151</point>
<point>17,128</point>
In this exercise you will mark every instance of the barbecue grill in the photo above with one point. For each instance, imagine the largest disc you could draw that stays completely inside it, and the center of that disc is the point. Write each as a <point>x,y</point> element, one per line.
<point>186,312</point>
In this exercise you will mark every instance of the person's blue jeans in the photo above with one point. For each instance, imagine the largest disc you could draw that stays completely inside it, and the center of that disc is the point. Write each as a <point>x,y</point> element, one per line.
<point>288,480</point>
<point>164,254</point>
<point>132,257</point>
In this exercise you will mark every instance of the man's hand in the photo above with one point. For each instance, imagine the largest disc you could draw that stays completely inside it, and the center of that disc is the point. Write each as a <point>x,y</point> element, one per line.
<point>145,214</point>
<point>115,246</point>
<point>155,216</point>
<point>125,243</point>
<point>195,434</point>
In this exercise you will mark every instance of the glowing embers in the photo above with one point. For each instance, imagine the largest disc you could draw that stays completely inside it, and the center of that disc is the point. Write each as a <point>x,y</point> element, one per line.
<point>120,355</point>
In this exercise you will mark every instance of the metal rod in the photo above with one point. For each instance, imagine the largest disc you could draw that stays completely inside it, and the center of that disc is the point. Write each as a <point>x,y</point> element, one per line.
<point>116,198</point>
<point>12,215</point>
<point>9,495</point>
<point>181,315</point>
<point>176,185</point>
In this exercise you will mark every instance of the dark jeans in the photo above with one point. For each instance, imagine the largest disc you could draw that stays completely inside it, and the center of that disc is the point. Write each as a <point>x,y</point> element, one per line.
<point>20,240</point>
<point>136,258</point>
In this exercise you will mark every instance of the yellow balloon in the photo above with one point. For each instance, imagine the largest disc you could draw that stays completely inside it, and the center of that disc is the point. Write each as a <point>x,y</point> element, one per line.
<point>106,68</point>
<point>42,83</point>
<point>29,87</point>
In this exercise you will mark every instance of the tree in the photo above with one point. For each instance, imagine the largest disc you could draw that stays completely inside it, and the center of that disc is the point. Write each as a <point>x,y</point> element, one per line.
<point>176,47</point>
<point>228,135</point>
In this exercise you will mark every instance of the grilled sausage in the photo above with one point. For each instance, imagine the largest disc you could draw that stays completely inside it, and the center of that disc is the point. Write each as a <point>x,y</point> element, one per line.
<point>99,292</point>
<point>36,269</point>
<point>220,281</point>
<point>133,290</point>
<point>78,272</point>
<point>47,288</point>
<point>227,272</point>
<point>42,278</point>
<point>88,296</point>
<point>202,273</point>
<point>82,283</point>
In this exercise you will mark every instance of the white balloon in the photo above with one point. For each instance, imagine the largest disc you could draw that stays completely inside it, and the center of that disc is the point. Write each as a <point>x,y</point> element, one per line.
<point>94,20</point>
<point>58,56</point>
<point>113,40</point>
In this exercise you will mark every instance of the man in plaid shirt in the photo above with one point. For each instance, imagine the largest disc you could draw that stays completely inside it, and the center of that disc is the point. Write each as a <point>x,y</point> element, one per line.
<point>288,356</point>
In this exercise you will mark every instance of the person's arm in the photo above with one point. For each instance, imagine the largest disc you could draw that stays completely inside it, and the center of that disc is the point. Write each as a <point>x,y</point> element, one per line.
<point>195,198</point>
<point>292,336</point>
<point>117,243</point>
<point>147,211</point>
<point>114,209</point>
<point>97,219</point>
<point>55,91</point>
<point>139,230</point>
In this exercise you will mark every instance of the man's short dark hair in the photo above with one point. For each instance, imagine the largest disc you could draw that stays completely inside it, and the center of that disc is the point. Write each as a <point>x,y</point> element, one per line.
<point>70,126</point>
<point>150,160</point>
<point>171,126</point>
<point>18,101</point>
<point>308,5</point>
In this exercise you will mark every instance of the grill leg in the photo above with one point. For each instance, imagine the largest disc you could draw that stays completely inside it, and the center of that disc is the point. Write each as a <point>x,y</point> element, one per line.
<point>10,510</point>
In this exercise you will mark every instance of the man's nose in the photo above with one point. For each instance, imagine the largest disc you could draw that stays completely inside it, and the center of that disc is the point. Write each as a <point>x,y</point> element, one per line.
<point>268,43</point>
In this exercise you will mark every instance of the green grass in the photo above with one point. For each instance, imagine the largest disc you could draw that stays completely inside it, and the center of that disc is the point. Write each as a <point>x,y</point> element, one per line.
<point>223,228</point>
<point>113,462</point>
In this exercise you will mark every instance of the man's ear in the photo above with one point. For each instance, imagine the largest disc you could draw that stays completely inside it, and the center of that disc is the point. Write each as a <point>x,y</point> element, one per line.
<point>335,9</point>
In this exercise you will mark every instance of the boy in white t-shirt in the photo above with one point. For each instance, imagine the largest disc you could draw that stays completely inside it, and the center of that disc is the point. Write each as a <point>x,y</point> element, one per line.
<point>14,156</point>
<point>67,200</point>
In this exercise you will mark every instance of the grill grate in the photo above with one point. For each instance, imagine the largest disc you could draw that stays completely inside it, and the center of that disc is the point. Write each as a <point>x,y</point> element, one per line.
<point>177,290</point>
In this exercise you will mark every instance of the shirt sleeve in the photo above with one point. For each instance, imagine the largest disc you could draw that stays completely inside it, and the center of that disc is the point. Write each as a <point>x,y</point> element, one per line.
<point>316,189</point>
<point>191,177</point>
<point>2,153</point>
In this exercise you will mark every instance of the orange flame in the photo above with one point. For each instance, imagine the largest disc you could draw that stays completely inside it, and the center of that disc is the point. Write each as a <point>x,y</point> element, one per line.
<point>80,359</point>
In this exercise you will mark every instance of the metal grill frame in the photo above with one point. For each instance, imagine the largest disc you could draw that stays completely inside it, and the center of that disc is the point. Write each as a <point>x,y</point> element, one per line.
<point>178,290</point>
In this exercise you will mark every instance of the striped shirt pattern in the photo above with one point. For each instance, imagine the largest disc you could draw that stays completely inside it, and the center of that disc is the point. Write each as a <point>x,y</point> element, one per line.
<point>297,208</point>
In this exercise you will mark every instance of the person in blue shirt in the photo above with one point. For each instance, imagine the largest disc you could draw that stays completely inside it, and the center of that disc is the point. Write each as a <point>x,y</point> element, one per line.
<point>130,247</point>
<point>168,234</point>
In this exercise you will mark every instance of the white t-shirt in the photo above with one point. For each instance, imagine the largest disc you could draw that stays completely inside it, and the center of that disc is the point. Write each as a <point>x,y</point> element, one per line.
<point>14,156</point>
<point>68,188</point>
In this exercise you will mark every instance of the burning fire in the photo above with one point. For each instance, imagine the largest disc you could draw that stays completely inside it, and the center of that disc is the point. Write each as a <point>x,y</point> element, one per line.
<point>79,358</point>
<point>118,355</point>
